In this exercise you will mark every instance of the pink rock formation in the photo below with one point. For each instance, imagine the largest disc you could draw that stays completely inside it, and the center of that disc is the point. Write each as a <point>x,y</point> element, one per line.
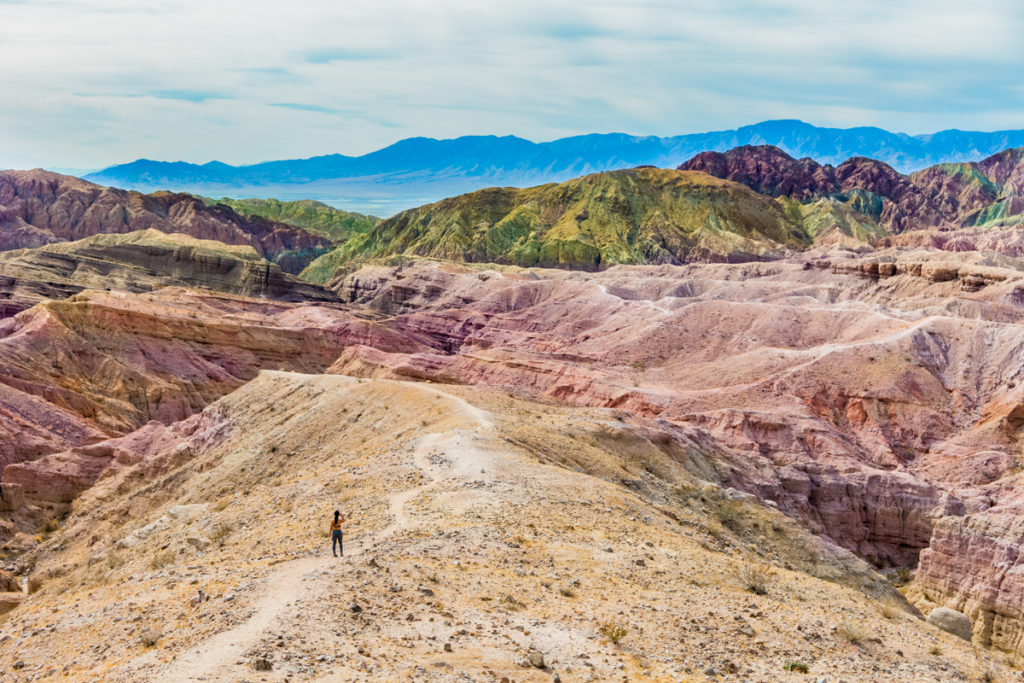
<point>103,364</point>
<point>835,393</point>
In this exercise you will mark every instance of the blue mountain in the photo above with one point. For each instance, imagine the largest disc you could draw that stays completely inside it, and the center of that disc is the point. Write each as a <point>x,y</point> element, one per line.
<point>415,171</point>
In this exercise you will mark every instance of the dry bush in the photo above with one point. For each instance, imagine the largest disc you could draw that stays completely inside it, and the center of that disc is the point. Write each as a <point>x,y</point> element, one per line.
<point>114,560</point>
<point>220,533</point>
<point>613,631</point>
<point>853,632</point>
<point>799,667</point>
<point>756,578</point>
<point>162,559</point>
<point>891,608</point>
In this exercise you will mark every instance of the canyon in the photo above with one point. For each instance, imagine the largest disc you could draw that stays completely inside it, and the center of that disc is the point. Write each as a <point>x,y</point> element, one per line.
<point>818,380</point>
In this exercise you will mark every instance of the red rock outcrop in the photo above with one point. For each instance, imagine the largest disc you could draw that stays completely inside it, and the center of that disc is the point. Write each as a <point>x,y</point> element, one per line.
<point>946,196</point>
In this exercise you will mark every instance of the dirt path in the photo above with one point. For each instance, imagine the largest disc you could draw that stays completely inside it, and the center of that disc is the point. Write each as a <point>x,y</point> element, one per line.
<point>213,658</point>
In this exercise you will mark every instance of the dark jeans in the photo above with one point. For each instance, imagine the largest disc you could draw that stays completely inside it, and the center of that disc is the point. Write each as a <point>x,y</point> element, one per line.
<point>336,542</point>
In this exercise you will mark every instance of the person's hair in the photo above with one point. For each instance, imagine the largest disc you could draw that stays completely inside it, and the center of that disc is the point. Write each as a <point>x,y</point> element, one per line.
<point>337,513</point>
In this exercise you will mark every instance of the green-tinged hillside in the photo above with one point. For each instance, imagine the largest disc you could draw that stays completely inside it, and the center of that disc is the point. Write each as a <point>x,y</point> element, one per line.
<point>644,215</point>
<point>832,223</point>
<point>307,214</point>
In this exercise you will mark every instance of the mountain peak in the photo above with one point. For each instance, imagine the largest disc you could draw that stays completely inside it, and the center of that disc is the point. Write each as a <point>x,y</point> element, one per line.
<point>418,170</point>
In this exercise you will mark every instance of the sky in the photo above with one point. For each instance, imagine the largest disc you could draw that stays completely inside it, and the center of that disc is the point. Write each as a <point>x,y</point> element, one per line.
<point>87,84</point>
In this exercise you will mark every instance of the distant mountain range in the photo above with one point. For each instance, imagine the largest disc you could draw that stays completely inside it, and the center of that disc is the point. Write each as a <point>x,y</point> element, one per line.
<point>416,171</point>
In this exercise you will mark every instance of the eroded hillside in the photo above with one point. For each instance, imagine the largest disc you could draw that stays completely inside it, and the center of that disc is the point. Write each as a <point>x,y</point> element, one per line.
<point>849,420</point>
<point>39,207</point>
<point>604,554</point>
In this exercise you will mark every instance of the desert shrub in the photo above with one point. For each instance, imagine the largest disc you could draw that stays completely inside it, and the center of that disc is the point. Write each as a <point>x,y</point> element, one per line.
<point>729,515</point>
<point>567,592</point>
<point>114,560</point>
<point>902,576</point>
<point>853,632</point>
<point>221,532</point>
<point>613,631</point>
<point>757,578</point>
<point>162,559</point>
<point>890,609</point>
<point>799,667</point>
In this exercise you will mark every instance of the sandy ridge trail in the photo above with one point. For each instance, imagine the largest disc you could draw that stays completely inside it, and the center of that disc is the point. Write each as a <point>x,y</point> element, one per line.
<point>216,657</point>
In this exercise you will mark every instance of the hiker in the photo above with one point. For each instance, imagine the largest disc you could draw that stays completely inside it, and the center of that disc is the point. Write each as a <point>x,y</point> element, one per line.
<point>336,534</point>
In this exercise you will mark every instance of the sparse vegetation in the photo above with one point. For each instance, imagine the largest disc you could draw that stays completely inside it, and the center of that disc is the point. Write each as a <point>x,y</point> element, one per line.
<point>613,631</point>
<point>757,578</point>
<point>221,532</point>
<point>567,592</point>
<point>162,559</point>
<point>853,633</point>
<point>114,560</point>
<point>728,514</point>
<point>901,577</point>
<point>890,609</point>
<point>150,637</point>
<point>799,667</point>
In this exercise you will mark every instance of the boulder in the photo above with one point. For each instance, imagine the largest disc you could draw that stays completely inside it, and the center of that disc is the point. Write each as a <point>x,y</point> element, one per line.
<point>951,621</point>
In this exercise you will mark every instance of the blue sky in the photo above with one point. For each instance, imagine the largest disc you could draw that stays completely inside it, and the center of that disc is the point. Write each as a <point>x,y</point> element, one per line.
<point>89,84</point>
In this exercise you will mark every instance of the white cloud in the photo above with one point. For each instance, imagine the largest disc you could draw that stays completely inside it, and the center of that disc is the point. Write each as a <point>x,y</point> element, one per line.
<point>92,83</point>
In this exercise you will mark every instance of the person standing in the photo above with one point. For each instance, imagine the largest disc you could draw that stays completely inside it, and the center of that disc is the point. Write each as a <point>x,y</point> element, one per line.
<point>336,539</point>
